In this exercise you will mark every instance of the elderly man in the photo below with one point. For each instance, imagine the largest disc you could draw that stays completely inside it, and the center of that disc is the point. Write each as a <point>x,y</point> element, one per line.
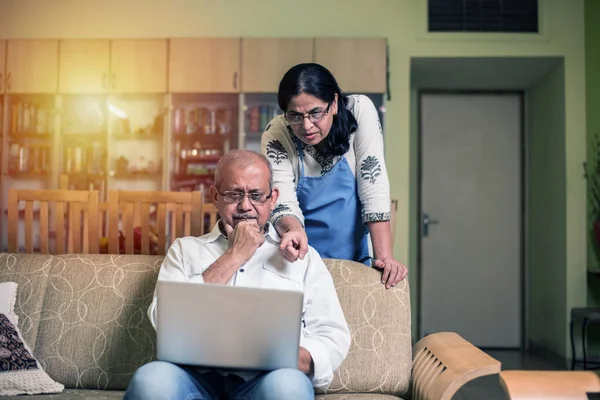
<point>243,250</point>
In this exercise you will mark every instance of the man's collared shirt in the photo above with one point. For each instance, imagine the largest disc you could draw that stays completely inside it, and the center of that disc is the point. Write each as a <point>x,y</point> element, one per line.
<point>325,333</point>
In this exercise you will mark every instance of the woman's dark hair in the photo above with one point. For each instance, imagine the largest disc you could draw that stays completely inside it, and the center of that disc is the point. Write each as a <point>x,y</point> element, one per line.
<point>318,81</point>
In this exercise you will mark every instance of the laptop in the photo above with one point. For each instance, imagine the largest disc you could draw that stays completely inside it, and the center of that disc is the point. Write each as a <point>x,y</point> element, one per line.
<point>228,327</point>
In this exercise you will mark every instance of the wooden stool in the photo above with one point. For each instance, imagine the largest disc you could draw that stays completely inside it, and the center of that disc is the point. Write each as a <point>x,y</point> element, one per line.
<point>588,315</point>
<point>533,385</point>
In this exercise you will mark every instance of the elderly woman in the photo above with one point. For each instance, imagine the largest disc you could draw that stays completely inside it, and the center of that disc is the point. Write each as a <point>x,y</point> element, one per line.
<point>328,163</point>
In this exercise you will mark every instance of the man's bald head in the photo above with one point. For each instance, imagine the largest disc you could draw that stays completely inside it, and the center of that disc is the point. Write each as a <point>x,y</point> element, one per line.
<point>241,158</point>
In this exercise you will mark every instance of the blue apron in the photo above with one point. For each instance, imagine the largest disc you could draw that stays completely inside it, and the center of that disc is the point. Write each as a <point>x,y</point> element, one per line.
<point>332,212</point>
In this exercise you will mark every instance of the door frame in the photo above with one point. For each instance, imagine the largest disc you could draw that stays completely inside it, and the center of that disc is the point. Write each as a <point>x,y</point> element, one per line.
<point>523,209</point>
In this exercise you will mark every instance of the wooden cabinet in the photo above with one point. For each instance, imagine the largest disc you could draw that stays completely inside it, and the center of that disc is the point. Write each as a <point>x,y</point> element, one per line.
<point>31,66</point>
<point>84,66</point>
<point>359,65</point>
<point>204,65</point>
<point>2,69</point>
<point>265,60</point>
<point>138,66</point>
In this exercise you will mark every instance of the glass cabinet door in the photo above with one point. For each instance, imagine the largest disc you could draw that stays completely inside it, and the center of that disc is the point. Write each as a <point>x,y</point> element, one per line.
<point>204,128</point>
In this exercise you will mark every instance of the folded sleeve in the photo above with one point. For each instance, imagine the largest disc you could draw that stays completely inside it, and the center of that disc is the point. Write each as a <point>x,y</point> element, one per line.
<point>371,173</point>
<point>278,146</point>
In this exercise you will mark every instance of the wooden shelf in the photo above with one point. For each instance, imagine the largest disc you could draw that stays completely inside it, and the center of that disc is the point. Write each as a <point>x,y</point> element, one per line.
<point>125,136</point>
<point>201,159</point>
<point>83,138</point>
<point>28,175</point>
<point>26,137</point>
<point>85,175</point>
<point>138,175</point>
<point>201,137</point>
<point>184,177</point>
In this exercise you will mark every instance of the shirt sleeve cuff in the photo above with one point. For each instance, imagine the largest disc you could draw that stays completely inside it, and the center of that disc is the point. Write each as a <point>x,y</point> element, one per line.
<point>323,373</point>
<point>376,217</point>
<point>275,218</point>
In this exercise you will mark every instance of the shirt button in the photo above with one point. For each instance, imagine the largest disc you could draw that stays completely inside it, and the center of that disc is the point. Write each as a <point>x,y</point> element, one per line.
<point>241,269</point>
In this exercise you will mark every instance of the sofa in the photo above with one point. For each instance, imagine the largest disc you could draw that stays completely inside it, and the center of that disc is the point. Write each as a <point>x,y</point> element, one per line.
<point>84,319</point>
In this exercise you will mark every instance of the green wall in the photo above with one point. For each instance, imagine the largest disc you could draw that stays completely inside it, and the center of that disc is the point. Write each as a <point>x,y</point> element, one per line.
<point>402,22</point>
<point>546,212</point>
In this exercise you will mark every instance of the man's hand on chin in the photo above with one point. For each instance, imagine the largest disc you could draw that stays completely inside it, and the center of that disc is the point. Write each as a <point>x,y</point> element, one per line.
<point>244,239</point>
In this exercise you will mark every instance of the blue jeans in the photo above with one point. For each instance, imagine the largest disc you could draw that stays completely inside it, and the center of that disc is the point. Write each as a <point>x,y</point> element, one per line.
<point>161,380</point>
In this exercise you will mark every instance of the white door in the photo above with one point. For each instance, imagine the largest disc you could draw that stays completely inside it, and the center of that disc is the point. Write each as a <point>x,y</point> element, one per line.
<point>471,194</point>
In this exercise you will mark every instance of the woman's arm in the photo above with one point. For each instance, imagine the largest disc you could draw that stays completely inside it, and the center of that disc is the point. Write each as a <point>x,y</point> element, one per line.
<point>277,145</point>
<point>383,257</point>
<point>374,190</point>
<point>381,237</point>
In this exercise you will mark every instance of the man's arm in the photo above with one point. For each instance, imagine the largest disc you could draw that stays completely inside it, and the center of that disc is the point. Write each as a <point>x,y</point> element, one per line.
<point>243,242</point>
<point>277,145</point>
<point>223,268</point>
<point>172,269</point>
<point>325,336</point>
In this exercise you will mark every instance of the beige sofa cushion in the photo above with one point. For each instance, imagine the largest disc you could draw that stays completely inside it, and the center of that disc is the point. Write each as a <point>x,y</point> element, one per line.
<point>380,357</point>
<point>94,332</point>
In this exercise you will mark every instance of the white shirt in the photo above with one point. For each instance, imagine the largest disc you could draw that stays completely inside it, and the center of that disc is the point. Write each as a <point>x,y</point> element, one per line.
<point>325,333</point>
<point>365,157</point>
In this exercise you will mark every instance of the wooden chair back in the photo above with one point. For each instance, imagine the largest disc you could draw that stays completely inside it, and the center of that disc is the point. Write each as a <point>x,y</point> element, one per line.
<point>147,222</point>
<point>211,215</point>
<point>63,183</point>
<point>74,216</point>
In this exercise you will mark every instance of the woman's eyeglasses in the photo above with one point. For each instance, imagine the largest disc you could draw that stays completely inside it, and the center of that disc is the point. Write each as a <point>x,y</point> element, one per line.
<point>294,118</point>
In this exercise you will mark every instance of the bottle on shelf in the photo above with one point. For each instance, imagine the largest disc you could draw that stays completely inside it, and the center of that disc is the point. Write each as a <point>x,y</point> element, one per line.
<point>28,159</point>
<point>28,118</point>
<point>258,117</point>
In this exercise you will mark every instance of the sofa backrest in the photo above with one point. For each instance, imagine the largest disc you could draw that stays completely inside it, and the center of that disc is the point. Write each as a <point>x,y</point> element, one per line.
<point>380,356</point>
<point>84,317</point>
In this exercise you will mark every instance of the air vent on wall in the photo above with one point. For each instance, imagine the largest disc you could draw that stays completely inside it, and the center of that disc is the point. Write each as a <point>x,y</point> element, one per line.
<point>511,16</point>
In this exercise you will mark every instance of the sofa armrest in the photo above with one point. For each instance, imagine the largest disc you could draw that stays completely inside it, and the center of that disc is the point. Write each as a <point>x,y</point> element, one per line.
<point>443,362</point>
<point>520,385</point>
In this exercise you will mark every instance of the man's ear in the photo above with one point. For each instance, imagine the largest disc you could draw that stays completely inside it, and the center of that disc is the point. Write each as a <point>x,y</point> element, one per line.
<point>274,197</point>
<point>213,193</point>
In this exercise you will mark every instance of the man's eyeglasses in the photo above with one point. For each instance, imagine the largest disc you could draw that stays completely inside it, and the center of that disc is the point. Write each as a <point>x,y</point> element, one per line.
<point>236,196</point>
<point>294,118</point>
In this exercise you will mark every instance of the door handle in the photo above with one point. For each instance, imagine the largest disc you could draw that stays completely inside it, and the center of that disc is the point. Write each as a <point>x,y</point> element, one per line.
<point>426,222</point>
<point>235,79</point>
<point>1,83</point>
<point>8,82</point>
